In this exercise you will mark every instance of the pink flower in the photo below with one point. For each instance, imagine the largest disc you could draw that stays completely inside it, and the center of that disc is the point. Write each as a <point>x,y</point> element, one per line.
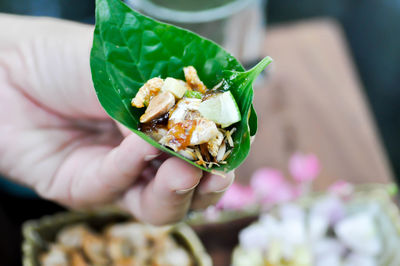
<point>304,167</point>
<point>270,186</point>
<point>237,197</point>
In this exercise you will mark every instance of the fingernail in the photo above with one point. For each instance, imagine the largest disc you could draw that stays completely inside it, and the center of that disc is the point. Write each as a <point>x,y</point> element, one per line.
<point>206,191</point>
<point>223,190</point>
<point>150,157</point>
<point>185,191</point>
<point>215,187</point>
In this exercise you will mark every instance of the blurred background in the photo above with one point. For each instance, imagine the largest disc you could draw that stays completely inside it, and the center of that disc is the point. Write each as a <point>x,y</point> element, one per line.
<point>371,30</point>
<point>334,89</point>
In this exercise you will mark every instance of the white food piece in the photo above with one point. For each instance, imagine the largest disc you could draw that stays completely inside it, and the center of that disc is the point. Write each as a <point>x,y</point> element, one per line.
<point>215,143</point>
<point>72,236</point>
<point>168,141</point>
<point>188,154</point>
<point>158,106</point>
<point>173,257</point>
<point>204,132</point>
<point>175,86</point>
<point>222,109</point>
<point>184,108</point>
<point>57,256</point>
<point>133,232</point>
<point>221,152</point>
<point>151,87</point>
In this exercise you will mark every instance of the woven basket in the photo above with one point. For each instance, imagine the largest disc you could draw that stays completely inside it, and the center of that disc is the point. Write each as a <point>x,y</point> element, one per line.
<point>38,234</point>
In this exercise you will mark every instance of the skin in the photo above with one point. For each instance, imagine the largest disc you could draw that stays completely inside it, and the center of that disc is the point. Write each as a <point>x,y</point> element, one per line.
<point>56,138</point>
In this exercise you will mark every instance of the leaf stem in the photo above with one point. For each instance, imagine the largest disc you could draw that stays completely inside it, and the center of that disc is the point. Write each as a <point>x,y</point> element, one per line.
<point>253,73</point>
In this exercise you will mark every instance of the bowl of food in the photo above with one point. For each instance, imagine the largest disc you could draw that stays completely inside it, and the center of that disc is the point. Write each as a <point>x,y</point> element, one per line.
<point>108,237</point>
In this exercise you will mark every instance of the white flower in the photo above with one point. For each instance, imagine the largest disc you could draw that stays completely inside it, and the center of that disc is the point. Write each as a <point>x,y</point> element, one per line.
<point>300,237</point>
<point>292,228</point>
<point>359,233</point>
<point>329,260</point>
<point>317,227</point>
<point>275,252</point>
<point>293,224</point>
<point>291,211</point>
<point>328,252</point>
<point>254,237</point>
<point>327,246</point>
<point>302,256</point>
<point>359,260</point>
<point>330,207</point>
<point>247,257</point>
<point>271,225</point>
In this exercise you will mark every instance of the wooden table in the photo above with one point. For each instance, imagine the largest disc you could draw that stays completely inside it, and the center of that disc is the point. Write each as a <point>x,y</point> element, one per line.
<point>312,101</point>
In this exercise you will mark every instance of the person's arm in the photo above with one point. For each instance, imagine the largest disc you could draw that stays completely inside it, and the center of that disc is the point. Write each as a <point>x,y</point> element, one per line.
<point>56,138</point>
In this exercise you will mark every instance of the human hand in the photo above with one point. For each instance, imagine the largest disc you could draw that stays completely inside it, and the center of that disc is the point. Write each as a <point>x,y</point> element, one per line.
<point>56,138</point>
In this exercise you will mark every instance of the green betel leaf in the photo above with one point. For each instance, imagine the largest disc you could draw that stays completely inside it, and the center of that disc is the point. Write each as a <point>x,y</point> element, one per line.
<point>129,49</point>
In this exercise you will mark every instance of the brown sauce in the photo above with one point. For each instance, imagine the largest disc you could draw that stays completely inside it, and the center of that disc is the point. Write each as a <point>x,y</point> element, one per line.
<point>170,124</point>
<point>209,94</point>
<point>182,133</point>
<point>154,124</point>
